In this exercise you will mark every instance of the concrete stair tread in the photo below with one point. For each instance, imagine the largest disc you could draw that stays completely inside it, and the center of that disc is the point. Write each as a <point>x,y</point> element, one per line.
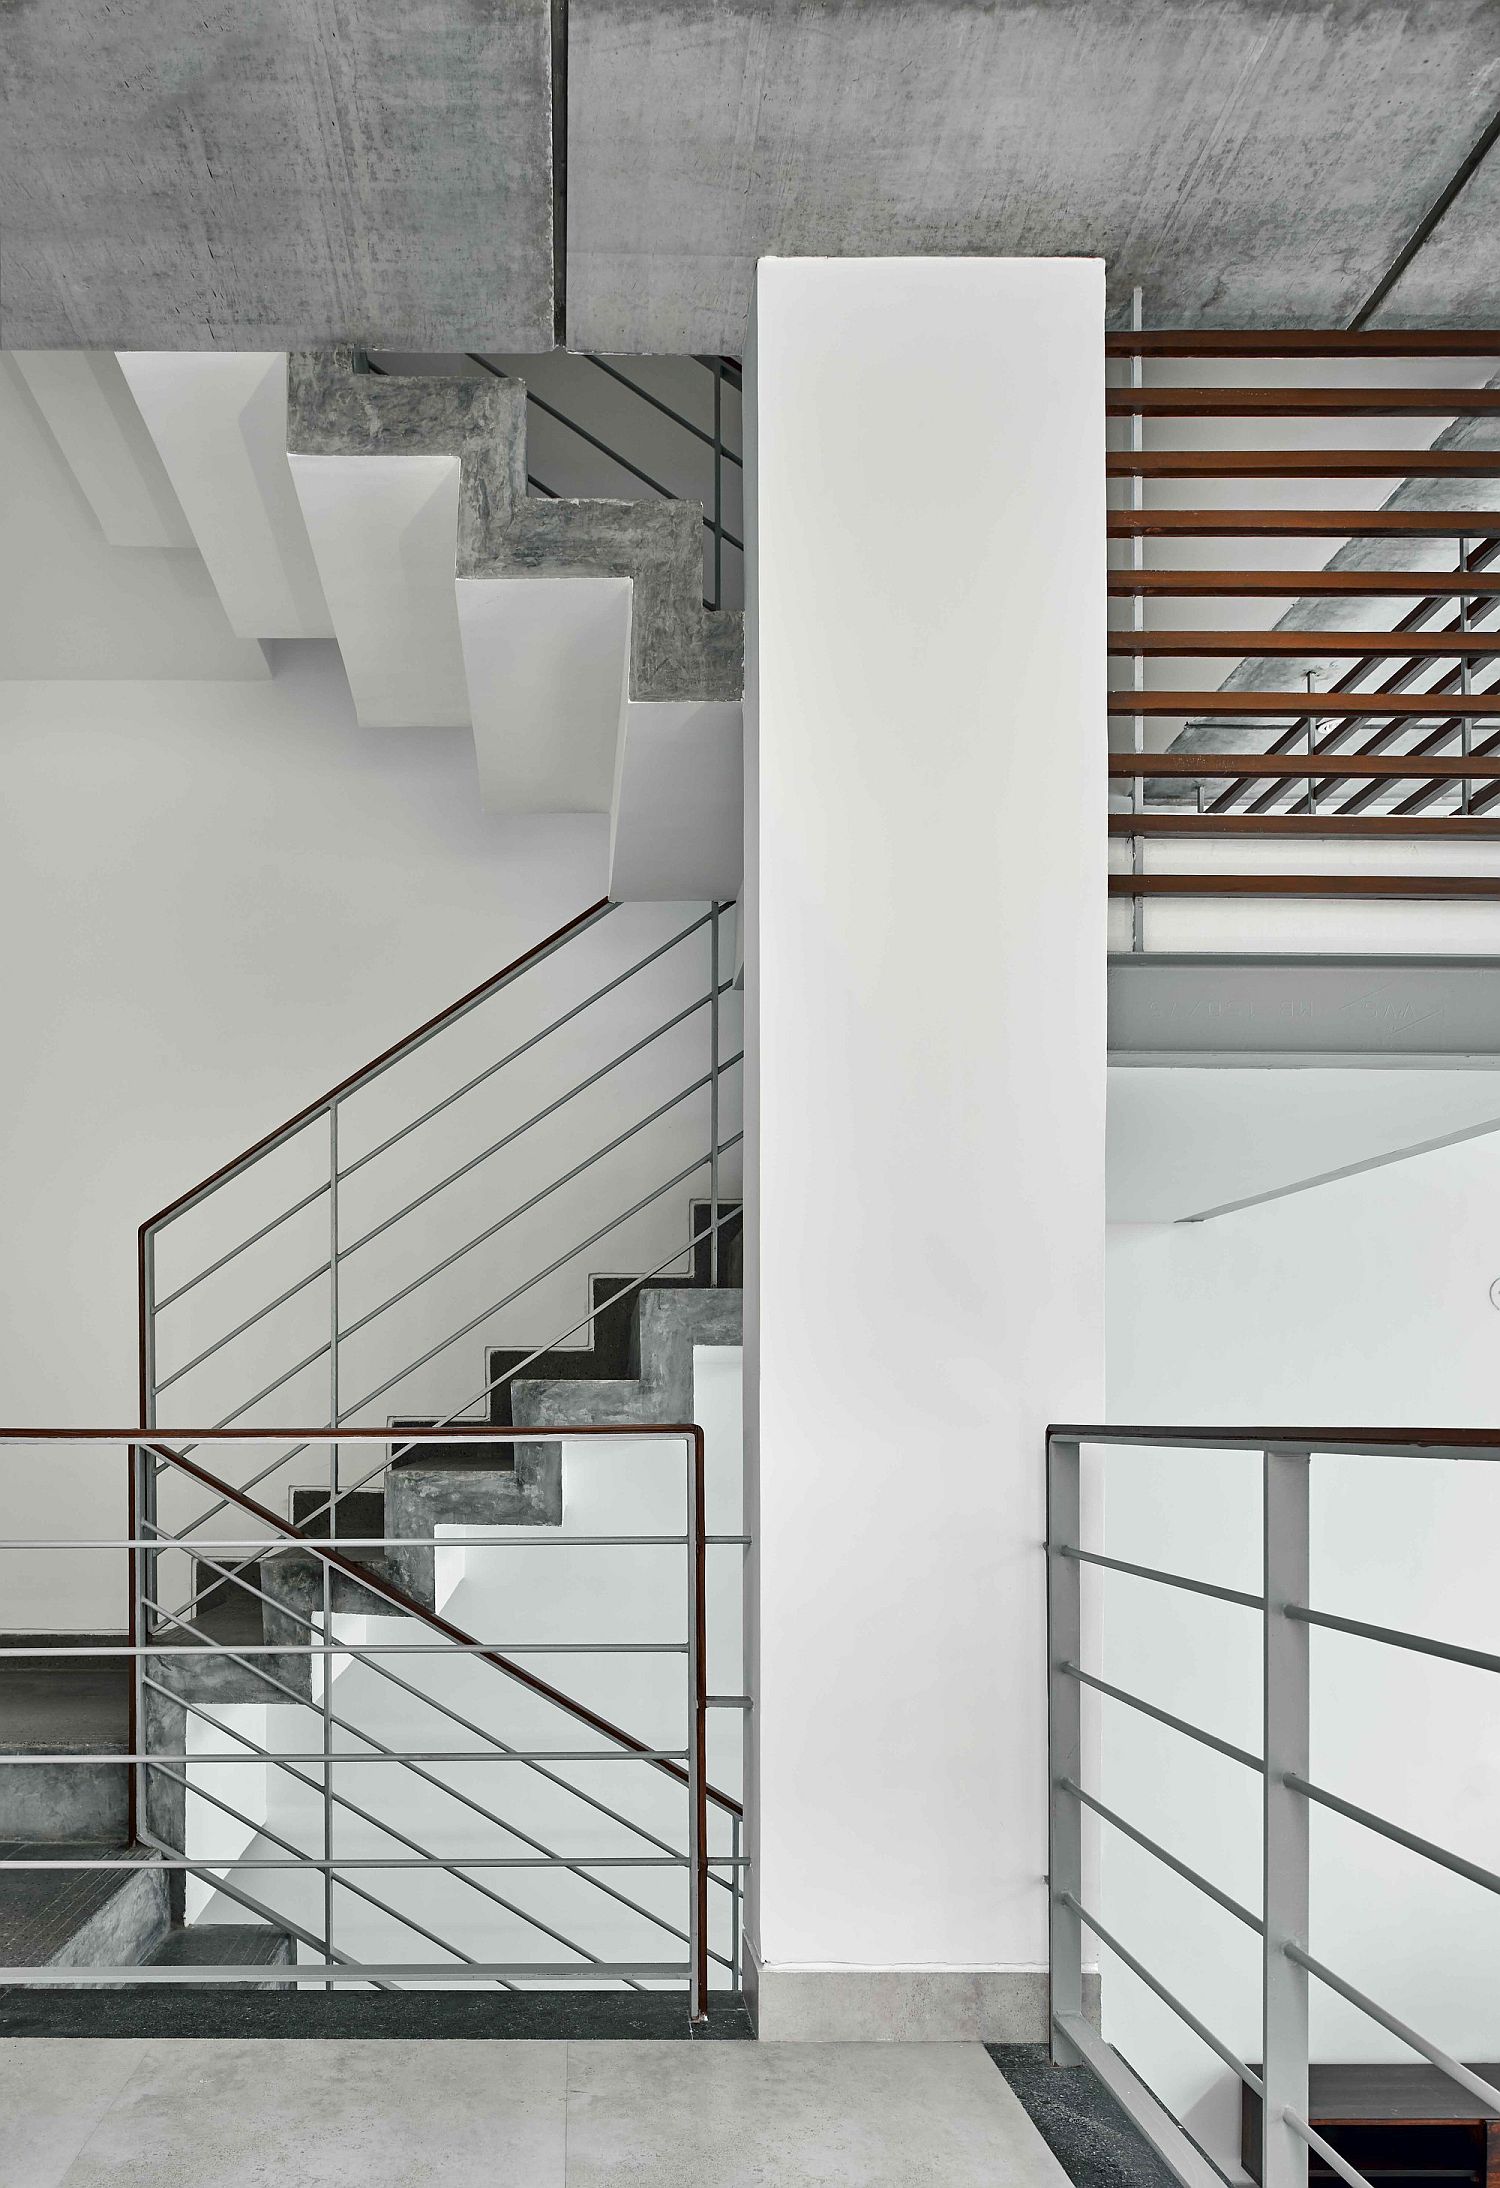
<point>43,1910</point>
<point>223,1944</point>
<point>53,1705</point>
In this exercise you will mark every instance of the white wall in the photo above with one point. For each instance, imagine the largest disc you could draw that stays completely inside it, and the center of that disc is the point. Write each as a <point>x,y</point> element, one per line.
<point>1363,1301</point>
<point>924,974</point>
<point>218,900</point>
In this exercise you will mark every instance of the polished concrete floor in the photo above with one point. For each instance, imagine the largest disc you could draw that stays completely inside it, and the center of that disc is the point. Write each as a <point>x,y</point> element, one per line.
<point>83,2113</point>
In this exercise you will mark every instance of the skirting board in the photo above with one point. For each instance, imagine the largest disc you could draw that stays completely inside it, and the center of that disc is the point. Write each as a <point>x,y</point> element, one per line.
<point>901,2005</point>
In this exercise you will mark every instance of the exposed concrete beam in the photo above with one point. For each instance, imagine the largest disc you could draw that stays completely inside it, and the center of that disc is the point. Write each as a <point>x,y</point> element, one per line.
<point>1246,162</point>
<point>190,176</point>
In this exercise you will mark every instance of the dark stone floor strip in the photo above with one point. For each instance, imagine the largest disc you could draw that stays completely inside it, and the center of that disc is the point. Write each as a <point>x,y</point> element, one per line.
<point>574,2017</point>
<point>1094,2141</point>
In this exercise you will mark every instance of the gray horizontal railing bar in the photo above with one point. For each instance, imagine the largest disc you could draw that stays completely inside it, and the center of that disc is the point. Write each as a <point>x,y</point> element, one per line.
<point>153,1756</point>
<point>551,410</point>
<point>668,412</point>
<point>381,1064</point>
<point>318,1193</point>
<point>173,1858</point>
<point>1167,1580</point>
<point>726,1701</point>
<point>349,1170</point>
<point>1454,2068</point>
<point>1184,2013</point>
<point>1331,2157</point>
<point>636,1283</point>
<point>1141,1838</point>
<point>481,1732</point>
<point>264,1830</point>
<point>1487,1879</point>
<point>1451,1652</point>
<point>1165,1717</point>
<point>381,1972</point>
<point>351,1432</point>
<point>719,1542</point>
<point>538,1117</point>
<point>523,1208</point>
<point>1372,1443</point>
<point>164,1540</point>
<point>390,1830</point>
<point>404,1861</point>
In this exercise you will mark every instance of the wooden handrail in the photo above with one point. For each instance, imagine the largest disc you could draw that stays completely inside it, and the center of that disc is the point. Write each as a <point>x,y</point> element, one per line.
<point>1302,463</point>
<point>1410,886</point>
<point>1347,766</point>
<point>1351,705</point>
<point>1300,402</point>
<point>1157,821</point>
<point>387,1056</point>
<point>1305,342</point>
<point>1292,584</point>
<point>1302,523</point>
<point>1323,645</point>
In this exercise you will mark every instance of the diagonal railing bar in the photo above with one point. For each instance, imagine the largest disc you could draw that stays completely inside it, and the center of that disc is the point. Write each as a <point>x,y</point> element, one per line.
<point>551,410</point>
<point>389,1830</point>
<point>264,1830</point>
<point>316,1275</point>
<point>634,1285</point>
<point>1430,741</point>
<point>351,1169</point>
<point>601,364</point>
<point>396,1053</point>
<point>286,1457</point>
<point>308,1200</point>
<point>381,1668</point>
<point>399,1598</point>
<point>271,1915</point>
<point>522,1208</point>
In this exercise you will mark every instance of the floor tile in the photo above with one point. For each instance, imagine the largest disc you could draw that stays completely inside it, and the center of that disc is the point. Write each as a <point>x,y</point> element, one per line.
<point>52,2096</point>
<point>798,2116</point>
<point>333,2115</point>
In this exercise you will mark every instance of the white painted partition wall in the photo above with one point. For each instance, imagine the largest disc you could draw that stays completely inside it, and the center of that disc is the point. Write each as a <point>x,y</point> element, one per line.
<point>925,913</point>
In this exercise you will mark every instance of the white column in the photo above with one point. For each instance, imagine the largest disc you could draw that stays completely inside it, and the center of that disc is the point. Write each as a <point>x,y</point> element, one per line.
<point>925,974</point>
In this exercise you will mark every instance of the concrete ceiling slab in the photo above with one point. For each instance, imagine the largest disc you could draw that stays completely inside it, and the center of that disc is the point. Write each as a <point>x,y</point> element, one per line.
<point>191,176</point>
<point>1247,162</point>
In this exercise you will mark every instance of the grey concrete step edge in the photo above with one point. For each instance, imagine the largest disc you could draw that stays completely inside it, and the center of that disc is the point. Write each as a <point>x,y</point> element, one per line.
<point>679,650</point>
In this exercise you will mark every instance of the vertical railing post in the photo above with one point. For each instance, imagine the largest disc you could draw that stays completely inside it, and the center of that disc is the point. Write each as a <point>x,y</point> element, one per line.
<point>333,1320</point>
<point>1286,1658</point>
<point>1064,1746</point>
<point>719,483</point>
<point>734,1904</point>
<point>134,1502</point>
<point>1137,619</point>
<point>1465,682</point>
<point>713,1095</point>
<point>697,1732</point>
<point>327,1663</point>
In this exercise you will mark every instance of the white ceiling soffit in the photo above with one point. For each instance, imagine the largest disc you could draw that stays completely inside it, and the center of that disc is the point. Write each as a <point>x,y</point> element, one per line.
<point>1186,1144</point>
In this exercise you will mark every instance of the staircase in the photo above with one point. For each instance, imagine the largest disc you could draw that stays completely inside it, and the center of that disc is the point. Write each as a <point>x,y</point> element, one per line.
<point>371,1730</point>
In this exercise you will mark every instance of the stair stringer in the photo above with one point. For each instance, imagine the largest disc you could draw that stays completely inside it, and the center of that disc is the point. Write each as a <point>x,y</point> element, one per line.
<point>678,648</point>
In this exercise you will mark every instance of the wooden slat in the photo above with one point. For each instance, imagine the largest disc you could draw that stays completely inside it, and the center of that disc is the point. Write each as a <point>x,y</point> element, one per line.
<point>1302,463</point>
<point>1325,645</point>
<point>1292,584</point>
<point>1303,523</point>
<point>1305,342</point>
<point>1329,705</point>
<point>1300,402</point>
<point>1339,767</point>
<point>1149,822</point>
<point>1445,886</point>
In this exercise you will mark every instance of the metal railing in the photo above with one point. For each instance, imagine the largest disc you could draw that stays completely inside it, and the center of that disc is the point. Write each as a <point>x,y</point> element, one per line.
<point>1285,1767</point>
<point>566,1114</point>
<point>701,454</point>
<point>177,1663</point>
